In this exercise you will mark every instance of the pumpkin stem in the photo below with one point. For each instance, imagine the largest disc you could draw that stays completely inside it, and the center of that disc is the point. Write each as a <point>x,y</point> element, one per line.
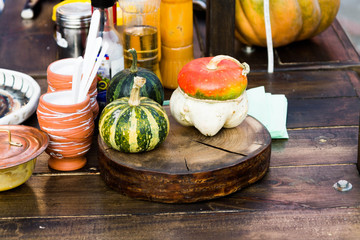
<point>133,67</point>
<point>212,65</point>
<point>134,99</point>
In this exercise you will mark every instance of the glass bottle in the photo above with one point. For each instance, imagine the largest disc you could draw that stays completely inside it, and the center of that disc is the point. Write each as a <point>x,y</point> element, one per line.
<point>114,58</point>
<point>141,32</point>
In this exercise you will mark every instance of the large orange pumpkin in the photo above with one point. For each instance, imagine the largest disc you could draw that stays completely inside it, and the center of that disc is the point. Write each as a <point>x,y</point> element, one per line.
<point>291,20</point>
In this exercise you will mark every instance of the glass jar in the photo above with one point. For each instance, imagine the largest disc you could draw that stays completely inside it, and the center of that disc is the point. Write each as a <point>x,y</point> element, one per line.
<point>141,19</point>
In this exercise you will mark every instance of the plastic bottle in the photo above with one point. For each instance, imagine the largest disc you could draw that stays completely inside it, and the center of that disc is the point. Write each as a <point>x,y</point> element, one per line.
<point>114,61</point>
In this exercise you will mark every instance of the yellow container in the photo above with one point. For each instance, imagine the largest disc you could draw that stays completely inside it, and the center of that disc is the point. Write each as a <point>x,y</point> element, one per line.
<point>173,59</point>
<point>176,31</point>
<point>19,148</point>
<point>176,23</point>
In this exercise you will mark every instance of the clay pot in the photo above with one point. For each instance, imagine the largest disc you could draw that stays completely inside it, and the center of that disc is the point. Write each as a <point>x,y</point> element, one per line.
<point>59,78</point>
<point>70,128</point>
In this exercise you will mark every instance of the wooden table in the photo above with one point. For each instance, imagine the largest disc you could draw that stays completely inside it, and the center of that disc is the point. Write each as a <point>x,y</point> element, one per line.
<point>295,199</point>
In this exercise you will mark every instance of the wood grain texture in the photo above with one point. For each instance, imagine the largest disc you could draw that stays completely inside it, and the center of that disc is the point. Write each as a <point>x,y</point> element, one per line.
<point>29,45</point>
<point>323,112</point>
<point>308,84</point>
<point>323,44</point>
<point>86,195</point>
<point>316,146</point>
<point>294,200</point>
<point>188,166</point>
<point>220,27</point>
<point>304,147</point>
<point>282,224</point>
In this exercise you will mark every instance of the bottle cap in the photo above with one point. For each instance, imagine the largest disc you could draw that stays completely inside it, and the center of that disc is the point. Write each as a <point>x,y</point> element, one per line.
<point>102,3</point>
<point>74,15</point>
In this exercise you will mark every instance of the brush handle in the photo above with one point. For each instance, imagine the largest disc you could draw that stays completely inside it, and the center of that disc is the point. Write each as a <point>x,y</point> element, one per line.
<point>95,70</point>
<point>91,38</point>
<point>76,78</point>
<point>89,61</point>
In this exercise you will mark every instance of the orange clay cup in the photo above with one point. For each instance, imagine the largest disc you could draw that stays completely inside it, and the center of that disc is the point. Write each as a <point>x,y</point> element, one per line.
<point>70,128</point>
<point>59,78</point>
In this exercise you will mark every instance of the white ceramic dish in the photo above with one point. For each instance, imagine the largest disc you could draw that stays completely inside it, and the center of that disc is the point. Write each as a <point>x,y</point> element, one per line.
<point>19,96</point>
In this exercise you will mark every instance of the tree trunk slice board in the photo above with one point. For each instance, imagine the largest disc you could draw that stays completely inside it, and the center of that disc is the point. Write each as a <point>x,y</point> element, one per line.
<point>188,166</point>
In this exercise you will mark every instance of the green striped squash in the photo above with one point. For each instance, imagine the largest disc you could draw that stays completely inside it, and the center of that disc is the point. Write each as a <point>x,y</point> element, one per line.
<point>121,84</point>
<point>133,124</point>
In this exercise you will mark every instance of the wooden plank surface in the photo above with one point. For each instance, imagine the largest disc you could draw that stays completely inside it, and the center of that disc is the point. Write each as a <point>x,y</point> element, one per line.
<point>308,84</point>
<point>220,27</point>
<point>287,202</point>
<point>295,199</point>
<point>323,112</point>
<point>283,224</point>
<point>316,99</point>
<point>339,224</point>
<point>304,147</point>
<point>316,146</point>
<point>323,45</point>
<point>29,45</point>
<point>283,188</point>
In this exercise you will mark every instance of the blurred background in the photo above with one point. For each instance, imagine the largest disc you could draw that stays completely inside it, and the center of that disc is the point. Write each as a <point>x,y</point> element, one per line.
<point>349,17</point>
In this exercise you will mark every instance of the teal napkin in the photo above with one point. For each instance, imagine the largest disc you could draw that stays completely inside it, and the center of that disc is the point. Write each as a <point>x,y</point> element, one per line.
<point>166,103</point>
<point>270,110</point>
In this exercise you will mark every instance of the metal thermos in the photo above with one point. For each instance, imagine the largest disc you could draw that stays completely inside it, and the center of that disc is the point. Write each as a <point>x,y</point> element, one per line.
<point>73,21</point>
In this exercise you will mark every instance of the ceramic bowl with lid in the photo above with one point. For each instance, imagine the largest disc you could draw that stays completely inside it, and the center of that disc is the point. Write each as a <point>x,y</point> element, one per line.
<point>19,148</point>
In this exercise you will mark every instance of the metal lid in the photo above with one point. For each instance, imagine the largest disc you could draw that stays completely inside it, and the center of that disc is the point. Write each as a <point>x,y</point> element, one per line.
<point>102,3</point>
<point>74,15</point>
<point>19,144</point>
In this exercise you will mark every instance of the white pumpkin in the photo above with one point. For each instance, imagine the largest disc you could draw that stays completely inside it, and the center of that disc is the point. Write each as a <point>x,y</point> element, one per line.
<point>208,116</point>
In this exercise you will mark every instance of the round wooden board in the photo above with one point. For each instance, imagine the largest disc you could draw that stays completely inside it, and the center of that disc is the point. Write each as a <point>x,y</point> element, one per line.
<point>189,166</point>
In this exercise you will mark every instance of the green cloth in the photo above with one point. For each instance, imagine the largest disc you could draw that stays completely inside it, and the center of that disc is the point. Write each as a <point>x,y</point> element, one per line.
<point>270,110</point>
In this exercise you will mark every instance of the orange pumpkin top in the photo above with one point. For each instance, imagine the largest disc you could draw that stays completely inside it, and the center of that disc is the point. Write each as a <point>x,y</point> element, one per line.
<point>291,20</point>
<point>216,78</point>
